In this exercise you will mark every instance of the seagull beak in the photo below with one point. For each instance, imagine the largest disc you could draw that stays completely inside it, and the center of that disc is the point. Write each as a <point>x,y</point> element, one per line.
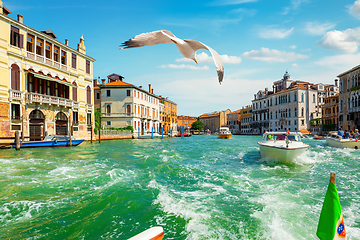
<point>196,61</point>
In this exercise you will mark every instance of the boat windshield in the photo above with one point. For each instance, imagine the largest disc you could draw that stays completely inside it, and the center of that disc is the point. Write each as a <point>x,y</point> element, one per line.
<point>282,137</point>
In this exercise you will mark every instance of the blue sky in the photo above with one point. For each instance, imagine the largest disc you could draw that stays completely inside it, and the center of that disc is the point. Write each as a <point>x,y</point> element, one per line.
<point>259,40</point>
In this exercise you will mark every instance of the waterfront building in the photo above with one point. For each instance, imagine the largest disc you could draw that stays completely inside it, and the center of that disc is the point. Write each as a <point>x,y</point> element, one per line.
<point>185,121</point>
<point>330,113</point>
<point>246,120</point>
<point>168,116</point>
<point>124,104</point>
<point>214,120</point>
<point>233,121</point>
<point>296,105</point>
<point>45,85</point>
<point>260,111</point>
<point>349,99</point>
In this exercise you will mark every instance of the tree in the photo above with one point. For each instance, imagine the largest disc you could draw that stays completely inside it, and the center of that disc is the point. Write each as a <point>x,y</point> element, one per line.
<point>197,125</point>
<point>98,117</point>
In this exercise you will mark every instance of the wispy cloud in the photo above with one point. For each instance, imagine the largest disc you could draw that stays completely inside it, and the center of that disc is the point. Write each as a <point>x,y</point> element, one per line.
<point>249,12</point>
<point>295,4</point>
<point>344,41</point>
<point>355,9</point>
<point>271,32</point>
<point>184,66</point>
<point>343,61</point>
<point>293,47</point>
<point>273,55</point>
<point>205,58</point>
<point>201,23</point>
<point>230,2</point>
<point>316,28</point>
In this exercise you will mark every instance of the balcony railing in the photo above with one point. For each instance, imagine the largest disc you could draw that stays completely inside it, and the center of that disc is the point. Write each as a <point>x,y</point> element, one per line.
<point>16,95</point>
<point>48,61</point>
<point>89,107</point>
<point>40,98</point>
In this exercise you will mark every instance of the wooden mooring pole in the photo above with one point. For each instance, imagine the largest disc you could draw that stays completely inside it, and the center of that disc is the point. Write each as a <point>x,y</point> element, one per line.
<point>99,135</point>
<point>17,140</point>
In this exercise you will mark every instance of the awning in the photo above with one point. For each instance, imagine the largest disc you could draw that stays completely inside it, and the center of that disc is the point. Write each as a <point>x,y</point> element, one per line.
<point>304,131</point>
<point>52,79</point>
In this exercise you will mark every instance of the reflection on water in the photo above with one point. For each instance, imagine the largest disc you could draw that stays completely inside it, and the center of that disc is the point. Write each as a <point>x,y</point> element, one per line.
<point>200,187</point>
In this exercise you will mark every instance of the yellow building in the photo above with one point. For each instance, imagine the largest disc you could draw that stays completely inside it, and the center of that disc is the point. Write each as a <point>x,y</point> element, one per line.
<point>186,122</point>
<point>213,121</point>
<point>246,120</point>
<point>168,114</point>
<point>45,85</point>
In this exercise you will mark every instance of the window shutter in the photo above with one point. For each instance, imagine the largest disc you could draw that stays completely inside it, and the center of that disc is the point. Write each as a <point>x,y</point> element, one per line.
<point>14,29</point>
<point>13,79</point>
<point>73,60</point>
<point>21,41</point>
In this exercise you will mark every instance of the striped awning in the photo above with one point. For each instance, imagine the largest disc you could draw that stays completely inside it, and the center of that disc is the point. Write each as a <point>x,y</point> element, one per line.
<point>52,79</point>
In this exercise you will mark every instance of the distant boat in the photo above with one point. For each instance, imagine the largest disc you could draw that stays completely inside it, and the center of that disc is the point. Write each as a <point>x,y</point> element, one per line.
<point>285,146</point>
<point>224,133</point>
<point>317,137</point>
<point>334,140</point>
<point>154,135</point>
<point>51,141</point>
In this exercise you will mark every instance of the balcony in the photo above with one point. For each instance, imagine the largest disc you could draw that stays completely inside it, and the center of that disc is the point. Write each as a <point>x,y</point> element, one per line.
<point>16,95</point>
<point>354,109</point>
<point>46,99</point>
<point>89,107</point>
<point>48,61</point>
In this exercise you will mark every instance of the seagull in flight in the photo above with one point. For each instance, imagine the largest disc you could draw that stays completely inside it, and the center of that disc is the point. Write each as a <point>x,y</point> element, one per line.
<point>187,48</point>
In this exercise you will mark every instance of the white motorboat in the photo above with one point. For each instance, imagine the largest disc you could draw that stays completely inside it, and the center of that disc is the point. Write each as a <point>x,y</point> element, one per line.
<point>334,140</point>
<point>224,133</point>
<point>285,146</point>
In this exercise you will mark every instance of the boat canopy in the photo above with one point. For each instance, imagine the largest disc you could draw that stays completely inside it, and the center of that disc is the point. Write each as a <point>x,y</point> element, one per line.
<point>282,136</point>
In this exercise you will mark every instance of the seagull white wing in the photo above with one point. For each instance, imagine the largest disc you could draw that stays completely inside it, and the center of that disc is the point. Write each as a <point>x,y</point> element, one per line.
<point>216,57</point>
<point>148,39</point>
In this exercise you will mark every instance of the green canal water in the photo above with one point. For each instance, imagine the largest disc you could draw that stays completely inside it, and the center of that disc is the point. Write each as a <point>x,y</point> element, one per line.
<point>195,188</point>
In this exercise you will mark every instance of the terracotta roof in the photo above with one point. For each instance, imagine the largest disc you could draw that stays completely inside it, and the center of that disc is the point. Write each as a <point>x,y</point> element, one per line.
<point>96,87</point>
<point>117,83</point>
<point>304,131</point>
<point>237,111</point>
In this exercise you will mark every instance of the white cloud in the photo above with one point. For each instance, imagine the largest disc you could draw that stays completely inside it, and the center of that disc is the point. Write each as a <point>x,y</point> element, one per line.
<point>274,33</point>
<point>295,65</point>
<point>355,9</point>
<point>184,66</point>
<point>205,58</point>
<point>265,54</point>
<point>292,46</point>
<point>250,12</point>
<point>231,2</point>
<point>343,61</point>
<point>343,41</point>
<point>294,5</point>
<point>315,28</point>
<point>306,50</point>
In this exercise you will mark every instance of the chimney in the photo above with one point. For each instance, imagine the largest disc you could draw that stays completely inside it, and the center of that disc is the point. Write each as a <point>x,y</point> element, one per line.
<point>67,42</point>
<point>254,96</point>
<point>149,88</point>
<point>152,91</point>
<point>140,87</point>
<point>103,81</point>
<point>20,18</point>
<point>336,82</point>
<point>266,91</point>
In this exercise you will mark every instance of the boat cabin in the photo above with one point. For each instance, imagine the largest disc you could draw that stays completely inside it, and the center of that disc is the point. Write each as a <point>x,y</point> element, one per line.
<point>281,136</point>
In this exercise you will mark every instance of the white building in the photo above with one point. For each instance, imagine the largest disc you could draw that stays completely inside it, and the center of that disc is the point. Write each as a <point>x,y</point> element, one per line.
<point>123,104</point>
<point>260,110</point>
<point>296,105</point>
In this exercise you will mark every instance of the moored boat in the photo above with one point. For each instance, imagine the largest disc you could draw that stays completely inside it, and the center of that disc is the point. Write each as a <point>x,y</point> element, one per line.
<point>285,146</point>
<point>334,140</point>
<point>224,133</point>
<point>51,141</point>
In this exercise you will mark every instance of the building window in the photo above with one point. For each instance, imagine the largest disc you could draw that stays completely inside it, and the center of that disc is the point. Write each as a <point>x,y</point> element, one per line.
<point>63,57</point>
<point>15,111</point>
<point>108,123</point>
<point>313,98</point>
<point>48,50</point>
<point>39,46</point>
<point>74,92</point>
<point>56,54</point>
<point>73,60</point>
<point>75,118</point>
<point>302,112</point>
<point>88,119</point>
<point>15,77</point>
<point>87,66</point>
<point>108,109</point>
<point>128,93</point>
<point>30,43</point>
<point>98,96</point>
<point>108,93</point>
<point>16,39</point>
<point>302,97</point>
<point>88,95</point>
<point>303,122</point>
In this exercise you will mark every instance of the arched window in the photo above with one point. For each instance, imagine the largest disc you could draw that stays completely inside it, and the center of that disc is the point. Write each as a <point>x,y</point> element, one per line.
<point>313,98</point>
<point>128,109</point>
<point>74,92</point>
<point>15,77</point>
<point>108,109</point>
<point>88,95</point>
<point>302,97</point>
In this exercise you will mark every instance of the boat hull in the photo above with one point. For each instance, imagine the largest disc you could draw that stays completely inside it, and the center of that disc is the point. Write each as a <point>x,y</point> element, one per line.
<point>343,143</point>
<point>227,136</point>
<point>283,154</point>
<point>35,144</point>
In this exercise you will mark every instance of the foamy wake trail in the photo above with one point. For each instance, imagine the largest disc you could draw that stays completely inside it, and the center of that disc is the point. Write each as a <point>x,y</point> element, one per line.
<point>193,212</point>
<point>20,210</point>
<point>118,176</point>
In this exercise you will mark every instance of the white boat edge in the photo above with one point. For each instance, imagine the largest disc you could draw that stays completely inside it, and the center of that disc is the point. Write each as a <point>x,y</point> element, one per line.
<point>154,233</point>
<point>334,140</point>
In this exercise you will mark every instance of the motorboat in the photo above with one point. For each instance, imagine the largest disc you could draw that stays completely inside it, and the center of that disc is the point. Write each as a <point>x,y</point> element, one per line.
<point>52,141</point>
<point>317,137</point>
<point>334,140</point>
<point>224,133</point>
<point>285,146</point>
